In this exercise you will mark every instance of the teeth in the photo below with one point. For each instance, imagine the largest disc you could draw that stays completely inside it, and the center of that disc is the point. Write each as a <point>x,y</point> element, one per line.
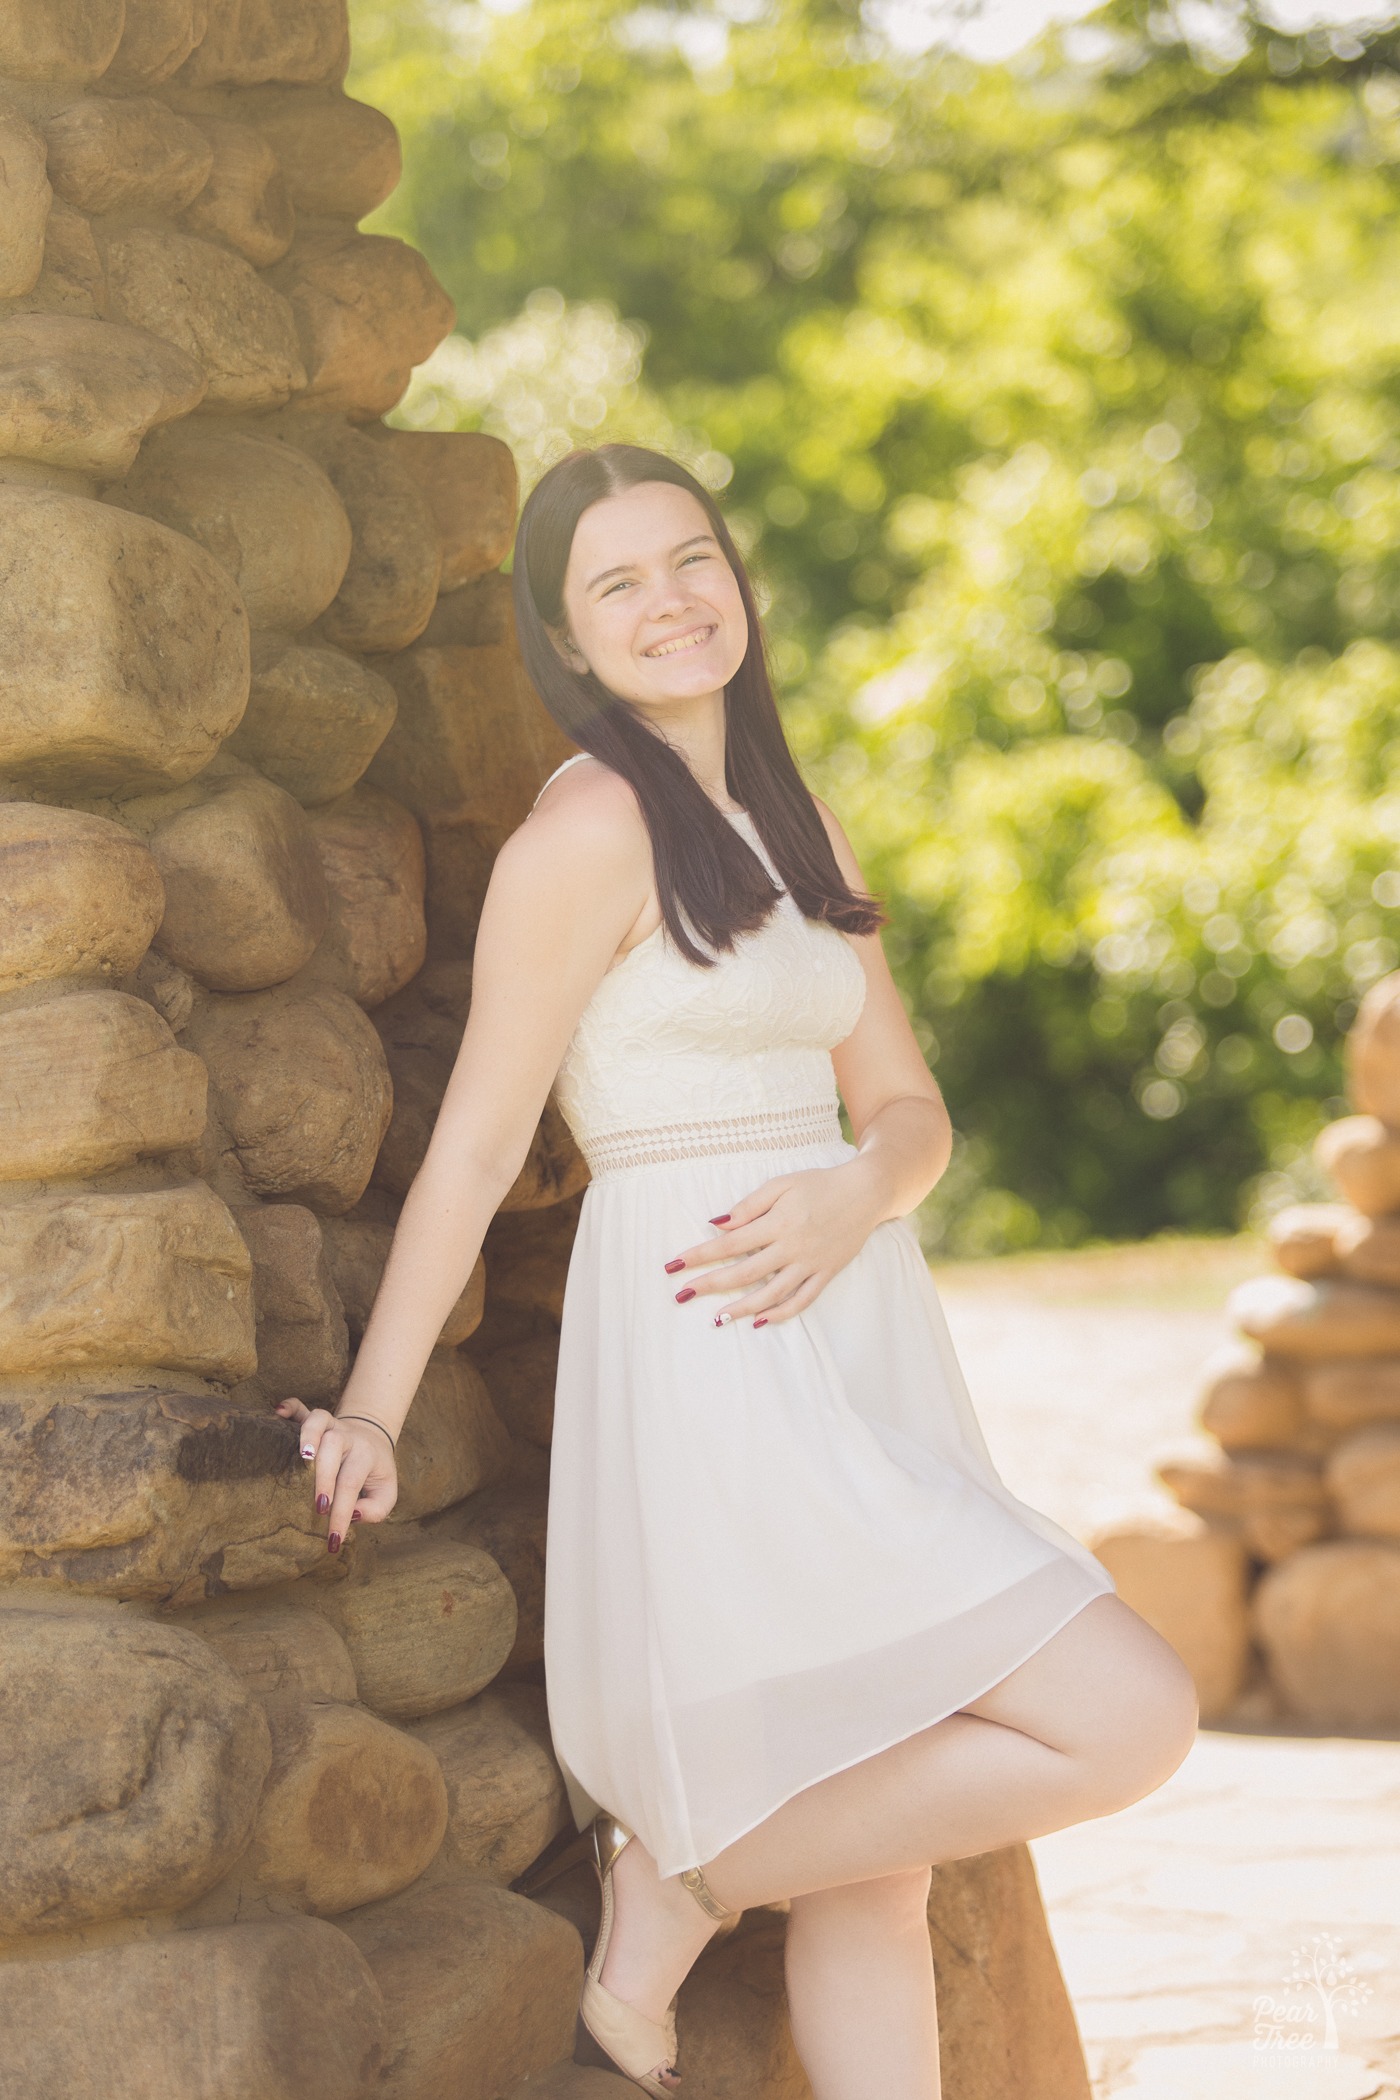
<point>693,641</point>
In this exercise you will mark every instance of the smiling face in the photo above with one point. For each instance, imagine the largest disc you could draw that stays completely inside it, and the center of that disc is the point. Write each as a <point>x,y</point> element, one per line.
<point>653,607</point>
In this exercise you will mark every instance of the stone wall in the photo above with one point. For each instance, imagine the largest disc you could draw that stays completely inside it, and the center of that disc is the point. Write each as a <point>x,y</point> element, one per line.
<point>262,729</point>
<point>1279,1580</point>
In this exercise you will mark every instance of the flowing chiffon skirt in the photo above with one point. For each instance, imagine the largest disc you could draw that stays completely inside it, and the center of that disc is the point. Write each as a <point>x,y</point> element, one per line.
<point>772,1552</point>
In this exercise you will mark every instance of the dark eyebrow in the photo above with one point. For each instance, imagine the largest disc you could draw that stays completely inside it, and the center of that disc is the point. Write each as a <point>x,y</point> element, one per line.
<point>623,568</point>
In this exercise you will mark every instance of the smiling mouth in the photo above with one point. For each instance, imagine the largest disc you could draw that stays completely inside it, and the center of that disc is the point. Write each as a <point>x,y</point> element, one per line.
<point>695,640</point>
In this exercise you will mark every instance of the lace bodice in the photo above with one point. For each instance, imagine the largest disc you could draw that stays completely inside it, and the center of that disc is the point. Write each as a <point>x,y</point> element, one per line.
<point>664,1041</point>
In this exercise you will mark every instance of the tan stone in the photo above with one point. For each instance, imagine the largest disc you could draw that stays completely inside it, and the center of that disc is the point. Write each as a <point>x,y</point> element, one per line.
<point>1363,1158</point>
<point>1252,1402</point>
<point>162,986</point>
<point>427,1621</point>
<point>1188,1578</point>
<point>1303,1237</point>
<point>263,510</point>
<point>303,1344</point>
<point>159,36</point>
<point>731,2018</point>
<point>72,280</point>
<point>299,1082</point>
<point>340,157</point>
<point>151,1494</point>
<point>527,1257</point>
<point>67,40</point>
<point>154,1276</point>
<point>109,154</point>
<point>1350,1394</point>
<point>368,310</point>
<point>1295,1319</point>
<point>314,720</point>
<point>465,745</point>
<point>353,1810</point>
<point>133,1763</point>
<point>480,615</point>
<point>391,585</point>
<point>123,647</point>
<point>79,897</point>
<point>452,1442</point>
<point>1368,1249</point>
<point>1005,2022</point>
<point>285,2010</point>
<point>505,1796</point>
<point>211,303</point>
<point>480,1988</point>
<point>372,855</point>
<point>508,1520</point>
<point>1278,1498</point>
<point>1363,1477</point>
<point>469,483</point>
<point>83,394</point>
<point>251,41</point>
<point>278,1651</point>
<point>25,197</point>
<point>245,893</point>
<point>1329,1621</point>
<point>245,200</point>
<point>90,1081</point>
<point>521,1382</point>
<point>1373,1053</point>
<point>358,1248</point>
<point>421,1030</point>
<point>571,2081</point>
<point>460,857</point>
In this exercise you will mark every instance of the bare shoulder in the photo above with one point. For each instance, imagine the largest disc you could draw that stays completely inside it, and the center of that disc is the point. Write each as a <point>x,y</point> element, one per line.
<point>585,838</point>
<point>840,845</point>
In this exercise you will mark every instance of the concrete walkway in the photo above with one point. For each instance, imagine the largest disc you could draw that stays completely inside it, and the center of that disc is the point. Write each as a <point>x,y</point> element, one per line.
<point>1203,1931</point>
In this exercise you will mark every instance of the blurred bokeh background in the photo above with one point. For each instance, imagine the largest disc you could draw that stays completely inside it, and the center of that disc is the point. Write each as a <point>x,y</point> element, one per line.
<point>1048,363</point>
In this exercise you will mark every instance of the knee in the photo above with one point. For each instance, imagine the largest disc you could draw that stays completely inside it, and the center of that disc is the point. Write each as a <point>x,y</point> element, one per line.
<point>1145,1734</point>
<point>890,1903</point>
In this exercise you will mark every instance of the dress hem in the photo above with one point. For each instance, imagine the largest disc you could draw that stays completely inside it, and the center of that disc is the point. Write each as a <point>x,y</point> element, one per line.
<point>1105,1589</point>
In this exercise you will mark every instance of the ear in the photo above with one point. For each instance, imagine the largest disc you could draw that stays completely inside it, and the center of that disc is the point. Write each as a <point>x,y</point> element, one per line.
<point>566,647</point>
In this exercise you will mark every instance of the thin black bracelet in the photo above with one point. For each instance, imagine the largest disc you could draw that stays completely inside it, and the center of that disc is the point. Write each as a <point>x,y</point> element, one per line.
<point>373,1424</point>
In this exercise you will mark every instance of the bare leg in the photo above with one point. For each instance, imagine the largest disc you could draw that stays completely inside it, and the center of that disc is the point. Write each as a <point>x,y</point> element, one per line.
<point>1102,1714</point>
<point>860,1990</point>
<point>1098,1717</point>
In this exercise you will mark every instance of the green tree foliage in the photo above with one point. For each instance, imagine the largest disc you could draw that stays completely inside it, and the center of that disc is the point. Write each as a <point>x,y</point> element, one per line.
<point>1060,404</point>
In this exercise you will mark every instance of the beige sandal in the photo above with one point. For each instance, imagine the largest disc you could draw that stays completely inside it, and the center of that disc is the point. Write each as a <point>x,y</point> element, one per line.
<point>613,2035</point>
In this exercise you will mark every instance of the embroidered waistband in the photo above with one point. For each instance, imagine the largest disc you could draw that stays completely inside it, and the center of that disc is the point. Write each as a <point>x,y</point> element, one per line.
<point>816,1123</point>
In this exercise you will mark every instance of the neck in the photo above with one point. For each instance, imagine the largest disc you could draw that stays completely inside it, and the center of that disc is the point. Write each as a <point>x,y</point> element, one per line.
<point>695,728</point>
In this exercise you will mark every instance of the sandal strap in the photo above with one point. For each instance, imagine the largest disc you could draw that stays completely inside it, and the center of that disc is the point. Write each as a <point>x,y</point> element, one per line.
<point>704,1895</point>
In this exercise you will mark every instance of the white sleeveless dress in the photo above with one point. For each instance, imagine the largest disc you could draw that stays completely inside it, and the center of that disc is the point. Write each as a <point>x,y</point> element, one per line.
<point>771,1552</point>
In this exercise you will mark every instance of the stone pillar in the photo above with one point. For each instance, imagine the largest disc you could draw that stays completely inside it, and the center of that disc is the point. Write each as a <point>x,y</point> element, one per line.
<point>262,728</point>
<point>1281,1581</point>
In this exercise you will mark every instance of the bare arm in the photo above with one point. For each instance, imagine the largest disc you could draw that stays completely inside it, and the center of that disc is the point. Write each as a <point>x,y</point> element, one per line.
<point>565,889</point>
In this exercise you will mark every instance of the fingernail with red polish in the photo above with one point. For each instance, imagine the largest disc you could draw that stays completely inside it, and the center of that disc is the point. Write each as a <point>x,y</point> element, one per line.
<point>681,1296</point>
<point>354,1516</point>
<point>724,1220</point>
<point>333,1543</point>
<point>723,1319</point>
<point>323,1503</point>
<point>307,1451</point>
<point>672,1266</point>
<point>763,1322</point>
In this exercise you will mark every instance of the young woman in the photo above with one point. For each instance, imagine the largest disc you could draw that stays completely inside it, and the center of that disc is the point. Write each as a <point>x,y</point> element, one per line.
<point>801,1641</point>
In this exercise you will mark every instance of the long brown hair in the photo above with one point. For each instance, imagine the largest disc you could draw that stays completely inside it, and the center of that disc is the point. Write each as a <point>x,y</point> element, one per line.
<point>704,869</point>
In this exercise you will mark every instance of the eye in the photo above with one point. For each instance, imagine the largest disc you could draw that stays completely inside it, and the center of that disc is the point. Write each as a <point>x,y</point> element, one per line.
<point>620,585</point>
